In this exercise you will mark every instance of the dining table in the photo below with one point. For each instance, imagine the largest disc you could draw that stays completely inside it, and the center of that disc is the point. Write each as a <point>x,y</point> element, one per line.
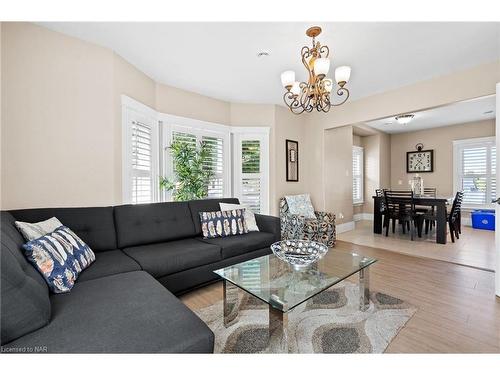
<point>439,203</point>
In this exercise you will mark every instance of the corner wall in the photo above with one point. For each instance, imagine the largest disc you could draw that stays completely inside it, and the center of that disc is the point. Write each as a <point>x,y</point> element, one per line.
<point>61,115</point>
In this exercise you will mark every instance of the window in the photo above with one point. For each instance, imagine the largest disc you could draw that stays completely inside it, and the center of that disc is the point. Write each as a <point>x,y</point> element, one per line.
<point>239,157</point>
<point>251,170</point>
<point>475,170</point>
<point>357,175</point>
<point>140,154</point>
<point>218,139</point>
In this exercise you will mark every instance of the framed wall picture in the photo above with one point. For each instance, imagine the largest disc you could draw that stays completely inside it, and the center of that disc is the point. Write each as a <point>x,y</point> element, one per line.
<point>292,160</point>
<point>420,161</point>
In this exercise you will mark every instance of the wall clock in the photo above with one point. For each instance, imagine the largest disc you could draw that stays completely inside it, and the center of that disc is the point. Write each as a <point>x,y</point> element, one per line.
<point>420,161</point>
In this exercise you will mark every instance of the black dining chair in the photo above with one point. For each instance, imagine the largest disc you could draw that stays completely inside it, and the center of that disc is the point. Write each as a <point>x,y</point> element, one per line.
<point>401,208</point>
<point>428,192</point>
<point>454,217</point>
<point>383,208</point>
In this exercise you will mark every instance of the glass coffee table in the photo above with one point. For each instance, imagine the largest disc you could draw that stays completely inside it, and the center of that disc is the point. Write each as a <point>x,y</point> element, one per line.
<point>283,287</point>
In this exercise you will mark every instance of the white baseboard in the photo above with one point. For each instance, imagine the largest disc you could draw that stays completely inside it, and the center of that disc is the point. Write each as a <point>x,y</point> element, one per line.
<point>362,216</point>
<point>467,221</point>
<point>345,227</point>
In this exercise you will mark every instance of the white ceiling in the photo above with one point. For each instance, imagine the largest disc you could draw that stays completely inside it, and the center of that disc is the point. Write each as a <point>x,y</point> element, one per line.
<point>219,59</point>
<point>456,113</point>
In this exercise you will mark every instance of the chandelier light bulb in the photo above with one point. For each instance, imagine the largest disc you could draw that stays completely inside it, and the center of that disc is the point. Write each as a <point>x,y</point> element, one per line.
<point>295,90</point>
<point>342,75</point>
<point>287,79</point>
<point>321,66</point>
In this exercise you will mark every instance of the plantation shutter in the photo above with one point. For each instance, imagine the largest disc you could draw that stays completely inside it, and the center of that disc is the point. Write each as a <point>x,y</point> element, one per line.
<point>142,163</point>
<point>476,172</point>
<point>357,175</point>
<point>493,194</point>
<point>215,163</point>
<point>251,174</point>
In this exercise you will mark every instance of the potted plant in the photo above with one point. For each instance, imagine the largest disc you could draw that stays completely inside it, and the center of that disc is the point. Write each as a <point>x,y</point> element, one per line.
<point>191,175</point>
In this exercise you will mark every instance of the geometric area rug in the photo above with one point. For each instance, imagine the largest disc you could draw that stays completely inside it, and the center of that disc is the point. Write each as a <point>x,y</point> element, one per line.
<point>330,322</point>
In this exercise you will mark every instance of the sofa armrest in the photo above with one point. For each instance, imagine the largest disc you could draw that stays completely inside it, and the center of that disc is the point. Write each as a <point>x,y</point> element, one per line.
<point>270,224</point>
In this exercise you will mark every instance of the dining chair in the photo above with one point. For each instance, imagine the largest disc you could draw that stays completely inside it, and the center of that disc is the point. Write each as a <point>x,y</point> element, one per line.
<point>401,207</point>
<point>454,217</point>
<point>383,208</point>
<point>428,192</point>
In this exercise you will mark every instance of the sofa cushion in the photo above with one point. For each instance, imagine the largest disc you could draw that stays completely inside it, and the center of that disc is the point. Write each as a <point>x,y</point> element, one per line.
<point>168,257</point>
<point>94,225</point>
<point>205,205</point>
<point>149,223</point>
<point>237,245</point>
<point>109,263</point>
<point>125,313</point>
<point>25,304</point>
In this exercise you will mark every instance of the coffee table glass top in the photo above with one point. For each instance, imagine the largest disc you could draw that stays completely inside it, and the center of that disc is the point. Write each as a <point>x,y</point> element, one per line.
<point>283,287</point>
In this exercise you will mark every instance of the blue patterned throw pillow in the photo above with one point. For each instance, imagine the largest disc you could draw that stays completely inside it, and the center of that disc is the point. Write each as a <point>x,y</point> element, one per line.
<point>223,223</point>
<point>59,256</point>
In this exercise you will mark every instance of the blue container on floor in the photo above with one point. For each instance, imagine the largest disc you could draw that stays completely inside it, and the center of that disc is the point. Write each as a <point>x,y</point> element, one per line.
<point>483,219</point>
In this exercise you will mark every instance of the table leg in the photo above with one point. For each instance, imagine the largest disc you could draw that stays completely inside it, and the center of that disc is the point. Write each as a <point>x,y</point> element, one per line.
<point>441,223</point>
<point>230,292</point>
<point>377,216</point>
<point>364,289</point>
<point>278,331</point>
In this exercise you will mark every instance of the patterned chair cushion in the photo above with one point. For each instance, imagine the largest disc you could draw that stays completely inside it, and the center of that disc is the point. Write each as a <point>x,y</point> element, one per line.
<point>223,223</point>
<point>300,205</point>
<point>59,256</point>
<point>320,229</point>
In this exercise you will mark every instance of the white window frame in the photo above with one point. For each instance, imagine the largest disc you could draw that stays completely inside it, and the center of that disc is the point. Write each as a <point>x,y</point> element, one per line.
<point>132,110</point>
<point>360,151</point>
<point>458,146</point>
<point>260,133</point>
<point>164,124</point>
<point>171,123</point>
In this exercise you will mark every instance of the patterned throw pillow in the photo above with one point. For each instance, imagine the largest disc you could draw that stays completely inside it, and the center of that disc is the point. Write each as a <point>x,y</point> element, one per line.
<point>59,256</point>
<point>32,231</point>
<point>223,223</point>
<point>249,215</point>
<point>300,205</point>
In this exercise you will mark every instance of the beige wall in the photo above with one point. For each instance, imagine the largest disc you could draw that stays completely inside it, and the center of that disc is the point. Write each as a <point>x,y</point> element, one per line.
<point>57,120</point>
<point>338,173</point>
<point>61,114</point>
<point>288,126</point>
<point>471,83</point>
<point>183,103</point>
<point>441,141</point>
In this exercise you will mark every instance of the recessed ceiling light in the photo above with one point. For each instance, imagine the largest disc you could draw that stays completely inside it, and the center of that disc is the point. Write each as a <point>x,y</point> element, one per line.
<point>404,119</point>
<point>488,112</point>
<point>263,53</point>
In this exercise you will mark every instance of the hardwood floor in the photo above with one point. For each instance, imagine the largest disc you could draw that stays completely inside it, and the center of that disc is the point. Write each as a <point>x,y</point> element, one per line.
<point>457,308</point>
<point>475,248</point>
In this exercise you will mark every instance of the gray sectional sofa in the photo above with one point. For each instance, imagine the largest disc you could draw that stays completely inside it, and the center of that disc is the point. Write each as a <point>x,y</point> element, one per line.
<point>126,301</point>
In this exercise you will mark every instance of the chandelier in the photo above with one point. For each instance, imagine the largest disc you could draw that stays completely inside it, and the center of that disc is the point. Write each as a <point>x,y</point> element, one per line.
<point>315,93</point>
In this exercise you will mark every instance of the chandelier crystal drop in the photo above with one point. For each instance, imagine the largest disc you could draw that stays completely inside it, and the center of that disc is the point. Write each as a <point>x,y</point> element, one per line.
<point>315,93</point>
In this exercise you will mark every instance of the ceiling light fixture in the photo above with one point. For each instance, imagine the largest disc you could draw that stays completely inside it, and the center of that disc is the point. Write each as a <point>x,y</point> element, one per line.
<point>315,93</point>
<point>404,119</point>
